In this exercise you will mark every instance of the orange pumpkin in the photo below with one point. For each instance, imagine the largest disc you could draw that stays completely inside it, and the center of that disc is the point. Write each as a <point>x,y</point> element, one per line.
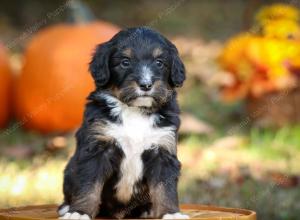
<point>5,87</point>
<point>52,88</point>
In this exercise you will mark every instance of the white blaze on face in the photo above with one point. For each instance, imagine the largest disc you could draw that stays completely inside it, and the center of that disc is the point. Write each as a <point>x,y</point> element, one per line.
<point>147,78</point>
<point>146,74</point>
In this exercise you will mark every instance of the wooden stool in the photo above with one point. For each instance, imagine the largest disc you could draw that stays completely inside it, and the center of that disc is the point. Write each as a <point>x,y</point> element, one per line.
<point>194,211</point>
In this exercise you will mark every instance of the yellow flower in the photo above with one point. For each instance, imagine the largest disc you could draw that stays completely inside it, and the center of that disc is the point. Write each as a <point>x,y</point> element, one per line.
<point>266,60</point>
<point>277,12</point>
<point>272,55</point>
<point>233,51</point>
<point>281,29</point>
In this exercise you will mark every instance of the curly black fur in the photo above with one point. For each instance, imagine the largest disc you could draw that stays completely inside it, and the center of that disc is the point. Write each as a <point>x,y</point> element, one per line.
<point>92,173</point>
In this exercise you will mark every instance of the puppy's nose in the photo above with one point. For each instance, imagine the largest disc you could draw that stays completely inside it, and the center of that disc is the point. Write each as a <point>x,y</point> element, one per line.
<point>145,86</point>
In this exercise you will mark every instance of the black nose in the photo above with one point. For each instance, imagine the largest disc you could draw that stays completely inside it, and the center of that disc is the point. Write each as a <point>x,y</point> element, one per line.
<point>145,86</point>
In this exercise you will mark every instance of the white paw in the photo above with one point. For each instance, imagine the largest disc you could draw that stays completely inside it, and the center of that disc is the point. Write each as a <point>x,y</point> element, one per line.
<point>63,210</point>
<point>75,215</point>
<point>176,215</point>
<point>144,215</point>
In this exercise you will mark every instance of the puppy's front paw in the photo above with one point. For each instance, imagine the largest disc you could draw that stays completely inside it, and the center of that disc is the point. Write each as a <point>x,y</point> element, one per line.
<point>63,209</point>
<point>176,215</point>
<point>75,215</point>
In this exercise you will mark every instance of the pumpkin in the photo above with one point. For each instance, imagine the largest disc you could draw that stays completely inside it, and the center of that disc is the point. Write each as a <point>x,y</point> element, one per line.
<point>54,82</point>
<point>5,87</point>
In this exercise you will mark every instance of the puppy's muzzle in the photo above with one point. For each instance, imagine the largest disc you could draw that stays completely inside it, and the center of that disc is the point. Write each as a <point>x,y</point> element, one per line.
<point>145,85</point>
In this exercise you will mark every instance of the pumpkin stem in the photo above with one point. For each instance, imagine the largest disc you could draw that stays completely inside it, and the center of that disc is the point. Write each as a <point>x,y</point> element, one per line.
<point>80,12</point>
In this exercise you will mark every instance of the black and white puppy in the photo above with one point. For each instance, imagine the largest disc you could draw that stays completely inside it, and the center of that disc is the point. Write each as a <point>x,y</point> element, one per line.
<point>125,164</point>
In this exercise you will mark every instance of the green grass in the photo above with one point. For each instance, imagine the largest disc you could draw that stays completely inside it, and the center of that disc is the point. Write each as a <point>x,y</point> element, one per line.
<point>272,144</point>
<point>275,144</point>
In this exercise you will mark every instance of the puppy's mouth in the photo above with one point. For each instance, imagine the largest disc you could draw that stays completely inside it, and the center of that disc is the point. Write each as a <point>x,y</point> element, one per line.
<point>133,96</point>
<point>143,101</point>
<point>136,98</point>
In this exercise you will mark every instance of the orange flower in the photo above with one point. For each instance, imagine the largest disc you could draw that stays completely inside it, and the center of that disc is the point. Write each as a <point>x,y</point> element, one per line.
<point>264,62</point>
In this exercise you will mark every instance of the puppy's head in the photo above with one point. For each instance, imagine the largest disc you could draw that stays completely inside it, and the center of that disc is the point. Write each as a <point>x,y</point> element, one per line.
<point>138,66</point>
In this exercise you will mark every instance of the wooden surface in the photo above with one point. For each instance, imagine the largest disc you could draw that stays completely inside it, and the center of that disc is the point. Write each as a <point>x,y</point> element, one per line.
<point>194,211</point>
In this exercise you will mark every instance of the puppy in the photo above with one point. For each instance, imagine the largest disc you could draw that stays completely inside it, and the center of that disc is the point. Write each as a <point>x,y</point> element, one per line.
<point>125,164</point>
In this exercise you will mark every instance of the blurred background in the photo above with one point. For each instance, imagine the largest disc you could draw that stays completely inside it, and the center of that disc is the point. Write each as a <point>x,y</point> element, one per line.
<point>240,137</point>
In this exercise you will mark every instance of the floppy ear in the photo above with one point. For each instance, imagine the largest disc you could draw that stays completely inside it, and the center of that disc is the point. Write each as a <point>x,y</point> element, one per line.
<point>99,66</point>
<point>177,76</point>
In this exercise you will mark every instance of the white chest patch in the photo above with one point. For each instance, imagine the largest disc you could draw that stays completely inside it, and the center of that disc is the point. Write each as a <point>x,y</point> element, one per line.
<point>135,134</point>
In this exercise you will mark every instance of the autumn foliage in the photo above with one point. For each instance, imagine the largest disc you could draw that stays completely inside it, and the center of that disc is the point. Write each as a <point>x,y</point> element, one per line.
<point>265,59</point>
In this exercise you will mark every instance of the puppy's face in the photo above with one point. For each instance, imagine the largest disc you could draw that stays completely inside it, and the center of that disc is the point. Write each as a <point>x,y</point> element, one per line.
<point>138,66</point>
<point>140,74</point>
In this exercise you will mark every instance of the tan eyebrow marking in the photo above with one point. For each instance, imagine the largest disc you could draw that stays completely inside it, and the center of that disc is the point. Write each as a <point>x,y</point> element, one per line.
<point>156,52</point>
<point>127,52</point>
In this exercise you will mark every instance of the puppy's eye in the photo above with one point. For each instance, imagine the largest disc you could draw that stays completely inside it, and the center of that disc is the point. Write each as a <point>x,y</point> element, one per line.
<point>125,63</point>
<point>159,63</point>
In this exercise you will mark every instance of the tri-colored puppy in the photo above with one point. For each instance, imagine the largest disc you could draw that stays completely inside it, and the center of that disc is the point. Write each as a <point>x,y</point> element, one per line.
<point>125,164</point>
